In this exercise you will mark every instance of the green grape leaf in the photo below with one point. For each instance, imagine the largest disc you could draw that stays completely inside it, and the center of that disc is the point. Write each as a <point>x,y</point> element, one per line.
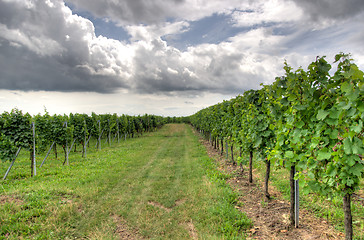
<point>284,102</point>
<point>334,113</point>
<point>289,154</point>
<point>347,146</point>
<point>357,169</point>
<point>321,115</point>
<point>349,182</point>
<point>351,112</point>
<point>334,133</point>
<point>352,96</point>
<point>257,142</point>
<point>358,127</point>
<point>360,106</point>
<point>337,57</point>
<point>356,73</point>
<point>346,87</point>
<point>357,146</point>
<point>300,107</point>
<point>352,159</point>
<point>323,154</point>
<point>332,122</point>
<point>331,171</point>
<point>344,105</point>
<point>300,124</point>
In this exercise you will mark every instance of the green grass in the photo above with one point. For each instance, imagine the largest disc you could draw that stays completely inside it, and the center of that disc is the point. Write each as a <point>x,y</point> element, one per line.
<point>162,185</point>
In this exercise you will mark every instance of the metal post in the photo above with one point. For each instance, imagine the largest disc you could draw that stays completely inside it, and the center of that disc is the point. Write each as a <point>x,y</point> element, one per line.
<point>86,144</point>
<point>100,135</point>
<point>227,150</point>
<point>34,161</point>
<point>109,134</point>
<point>47,154</point>
<point>66,146</point>
<point>12,163</point>
<point>69,151</point>
<point>117,121</point>
<point>116,134</point>
<point>297,203</point>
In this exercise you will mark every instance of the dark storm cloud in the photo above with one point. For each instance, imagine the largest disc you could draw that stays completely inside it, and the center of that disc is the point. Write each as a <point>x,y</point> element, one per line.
<point>27,71</point>
<point>130,11</point>
<point>332,9</point>
<point>44,46</point>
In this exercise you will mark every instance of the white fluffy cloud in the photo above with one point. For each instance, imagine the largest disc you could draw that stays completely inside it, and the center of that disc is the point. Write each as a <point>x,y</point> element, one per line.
<point>67,56</point>
<point>270,11</point>
<point>44,30</point>
<point>45,46</point>
<point>147,33</point>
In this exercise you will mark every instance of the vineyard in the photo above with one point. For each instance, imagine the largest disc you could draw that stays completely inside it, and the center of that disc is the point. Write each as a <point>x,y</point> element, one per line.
<point>43,133</point>
<point>158,186</point>
<point>309,122</point>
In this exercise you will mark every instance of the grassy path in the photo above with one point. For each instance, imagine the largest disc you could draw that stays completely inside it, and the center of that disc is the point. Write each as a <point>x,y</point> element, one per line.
<point>160,186</point>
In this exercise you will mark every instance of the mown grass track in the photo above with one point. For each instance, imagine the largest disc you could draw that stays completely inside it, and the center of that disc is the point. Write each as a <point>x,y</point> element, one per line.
<point>159,186</point>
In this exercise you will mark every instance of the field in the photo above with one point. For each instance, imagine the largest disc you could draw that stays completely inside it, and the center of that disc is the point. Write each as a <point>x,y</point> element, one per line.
<point>169,184</point>
<point>159,186</point>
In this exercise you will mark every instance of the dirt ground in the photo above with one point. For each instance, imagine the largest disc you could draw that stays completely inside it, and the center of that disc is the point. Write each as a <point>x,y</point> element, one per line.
<point>124,231</point>
<point>271,218</point>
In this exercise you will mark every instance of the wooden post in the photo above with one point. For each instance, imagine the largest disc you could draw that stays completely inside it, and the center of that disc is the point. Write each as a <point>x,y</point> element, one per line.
<point>348,219</point>
<point>266,180</point>
<point>222,146</point>
<point>251,166</point>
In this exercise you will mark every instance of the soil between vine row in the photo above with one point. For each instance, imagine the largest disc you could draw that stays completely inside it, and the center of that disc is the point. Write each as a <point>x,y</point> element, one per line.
<point>270,219</point>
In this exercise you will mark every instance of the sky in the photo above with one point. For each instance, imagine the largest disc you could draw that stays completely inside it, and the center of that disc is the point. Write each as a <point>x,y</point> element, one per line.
<point>163,57</point>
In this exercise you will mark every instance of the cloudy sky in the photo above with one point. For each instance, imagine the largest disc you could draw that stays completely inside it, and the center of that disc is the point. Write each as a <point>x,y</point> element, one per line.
<point>165,57</point>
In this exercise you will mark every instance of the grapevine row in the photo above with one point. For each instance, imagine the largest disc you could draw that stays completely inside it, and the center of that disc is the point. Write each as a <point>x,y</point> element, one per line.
<point>45,132</point>
<point>308,121</point>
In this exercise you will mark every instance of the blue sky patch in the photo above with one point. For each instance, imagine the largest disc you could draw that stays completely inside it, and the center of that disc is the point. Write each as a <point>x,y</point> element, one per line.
<point>213,29</point>
<point>106,28</point>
